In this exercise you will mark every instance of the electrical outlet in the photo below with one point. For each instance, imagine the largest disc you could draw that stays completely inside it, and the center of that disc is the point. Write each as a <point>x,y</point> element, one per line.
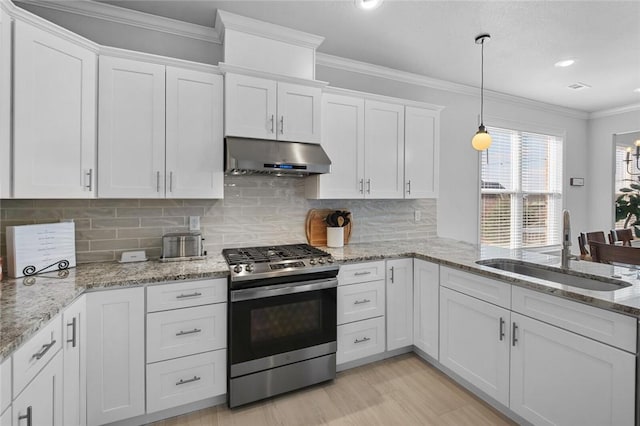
<point>194,223</point>
<point>417,215</point>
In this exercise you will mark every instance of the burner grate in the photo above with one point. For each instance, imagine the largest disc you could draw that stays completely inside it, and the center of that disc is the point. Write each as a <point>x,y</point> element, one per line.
<point>263,254</point>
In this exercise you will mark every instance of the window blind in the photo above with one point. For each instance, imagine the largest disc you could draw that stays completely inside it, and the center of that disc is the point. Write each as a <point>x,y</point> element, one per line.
<point>521,190</point>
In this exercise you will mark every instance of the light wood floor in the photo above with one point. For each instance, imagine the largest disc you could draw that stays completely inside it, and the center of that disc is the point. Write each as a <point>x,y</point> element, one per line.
<point>398,391</point>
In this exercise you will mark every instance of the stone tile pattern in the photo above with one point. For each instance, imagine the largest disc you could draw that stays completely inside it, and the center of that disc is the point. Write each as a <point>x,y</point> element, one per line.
<point>256,210</point>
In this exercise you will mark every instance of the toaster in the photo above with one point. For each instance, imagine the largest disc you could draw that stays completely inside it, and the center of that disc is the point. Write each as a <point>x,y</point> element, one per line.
<point>182,246</point>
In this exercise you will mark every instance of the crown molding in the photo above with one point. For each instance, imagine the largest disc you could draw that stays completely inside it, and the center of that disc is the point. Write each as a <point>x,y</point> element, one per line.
<point>134,18</point>
<point>351,65</point>
<point>231,21</point>
<point>237,69</point>
<point>615,111</point>
<point>382,98</point>
<point>25,16</point>
<point>157,59</point>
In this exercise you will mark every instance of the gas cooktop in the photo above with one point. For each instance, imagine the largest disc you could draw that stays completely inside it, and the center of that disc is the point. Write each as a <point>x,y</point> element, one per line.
<point>253,263</point>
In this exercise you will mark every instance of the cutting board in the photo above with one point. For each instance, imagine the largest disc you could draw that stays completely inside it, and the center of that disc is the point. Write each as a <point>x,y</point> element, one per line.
<point>316,227</point>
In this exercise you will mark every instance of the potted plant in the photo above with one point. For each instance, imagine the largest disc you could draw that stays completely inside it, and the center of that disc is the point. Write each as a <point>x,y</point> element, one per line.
<point>628,207</point>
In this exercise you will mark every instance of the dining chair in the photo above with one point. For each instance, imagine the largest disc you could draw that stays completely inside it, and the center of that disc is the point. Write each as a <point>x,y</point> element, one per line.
<point>610,253</point>
<point>624,235</point>
<point>597,236</point>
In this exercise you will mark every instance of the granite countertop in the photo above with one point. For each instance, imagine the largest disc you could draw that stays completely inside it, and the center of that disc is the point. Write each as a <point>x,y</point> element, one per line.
<point>26,304</point>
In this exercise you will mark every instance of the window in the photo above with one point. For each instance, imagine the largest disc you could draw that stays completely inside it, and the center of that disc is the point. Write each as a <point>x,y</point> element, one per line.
<point>623,179</point>
<point>521,190</point>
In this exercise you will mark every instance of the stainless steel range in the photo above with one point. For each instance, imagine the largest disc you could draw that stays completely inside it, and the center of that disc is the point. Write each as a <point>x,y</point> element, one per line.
<point>282,320</point>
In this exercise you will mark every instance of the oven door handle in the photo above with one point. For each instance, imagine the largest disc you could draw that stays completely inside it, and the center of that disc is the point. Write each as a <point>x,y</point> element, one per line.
<point>282,289</point>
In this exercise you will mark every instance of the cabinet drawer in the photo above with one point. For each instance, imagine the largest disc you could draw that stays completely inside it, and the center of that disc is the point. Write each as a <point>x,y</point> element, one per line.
<point>186,294</point>
<point>5,384</point>
<point>605,326</point>
<point>182,332</point>
<point>35,354</point>
<point>360,339</point>
<point>360,301</point>
<point>185,380</point>
<point>361,272</point>
<point>492,291</point>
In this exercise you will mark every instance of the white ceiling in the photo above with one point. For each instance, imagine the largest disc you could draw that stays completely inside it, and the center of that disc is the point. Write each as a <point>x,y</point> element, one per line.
<point>436,39</point>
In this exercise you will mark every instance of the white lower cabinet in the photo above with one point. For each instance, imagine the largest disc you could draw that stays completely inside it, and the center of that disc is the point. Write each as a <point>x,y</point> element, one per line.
<point>40,403</point>
<point>561,378</point>
<point>474,342</point>
<point>361,301</point>
<point>115,355</point>
<point>360,339</point>
<point>184,380</point>
<point>399,303</point>
<point>5,384</point>
<point>426,302</point>
<point>73,349</point>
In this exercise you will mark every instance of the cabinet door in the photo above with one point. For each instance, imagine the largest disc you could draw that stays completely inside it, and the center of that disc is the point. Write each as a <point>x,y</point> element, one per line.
<point>73,339</point>
<point>250,107</point>
<point>194,145</point>
<point>131,134</point>
<point>474,342</point>
<point>6,417</point>
<point>54,116</point>
<point>5,104</point>
<point>41,401</point>
<point>421,153</point>
<point>384,150</point>
<point>399,303</point>
<point>298,113</point>
<point>115,355</point>
<point>561,378</point>
<point>343,141</point>
<point>426,300</point>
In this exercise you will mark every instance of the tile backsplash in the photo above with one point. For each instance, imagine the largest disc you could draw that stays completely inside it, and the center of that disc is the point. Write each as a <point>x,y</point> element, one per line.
<point>256,210</point>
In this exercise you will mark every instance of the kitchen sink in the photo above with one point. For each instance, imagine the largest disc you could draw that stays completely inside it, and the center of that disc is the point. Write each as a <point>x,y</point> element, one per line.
<point>560,276</point>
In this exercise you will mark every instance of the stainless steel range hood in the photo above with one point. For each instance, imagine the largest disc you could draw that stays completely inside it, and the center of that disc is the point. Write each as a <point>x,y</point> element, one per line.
<point>259,156</point>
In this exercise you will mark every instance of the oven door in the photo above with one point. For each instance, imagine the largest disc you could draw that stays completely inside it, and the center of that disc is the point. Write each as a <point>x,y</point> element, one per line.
<point>281,324</point>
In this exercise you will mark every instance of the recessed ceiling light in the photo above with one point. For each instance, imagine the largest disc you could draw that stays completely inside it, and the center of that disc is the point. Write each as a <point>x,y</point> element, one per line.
<point>579,86</point>
<point>565,63</point>
<point>637,90</point>
<point>368,4</point>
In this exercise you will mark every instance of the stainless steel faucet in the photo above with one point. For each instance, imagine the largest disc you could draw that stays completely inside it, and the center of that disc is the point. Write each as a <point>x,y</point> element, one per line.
<point>566,240</point>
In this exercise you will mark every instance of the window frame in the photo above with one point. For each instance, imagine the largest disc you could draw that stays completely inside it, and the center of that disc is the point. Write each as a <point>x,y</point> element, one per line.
<point>521,127</point>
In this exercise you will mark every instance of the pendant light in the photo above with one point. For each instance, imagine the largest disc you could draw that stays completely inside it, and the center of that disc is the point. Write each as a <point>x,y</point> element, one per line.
<point>482,139</point>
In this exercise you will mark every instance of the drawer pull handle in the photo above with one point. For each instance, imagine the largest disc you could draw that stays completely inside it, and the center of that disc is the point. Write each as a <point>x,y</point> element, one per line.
<point>184,382</point>
<point>26,416</point>
<point>182,333</point>
<point>360,302</point>
<point>364,339</point>
<point>393,274</point>
<point>501,329</point>
<point>182,296</point>
<point>72,324</point>
<point>357,274</point>
<point>44,350</point>
<point>514,338</point>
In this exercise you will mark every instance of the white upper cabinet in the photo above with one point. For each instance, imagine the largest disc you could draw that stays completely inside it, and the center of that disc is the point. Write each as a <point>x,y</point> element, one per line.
<point>5,103</point>
<point>384,150</point>
<point>265,109</point>
<point>421,153</point>
<point>194,145</point>
<point>54,116</point>
<point>132,129</point>
<point>343,141</point>
<point>158,140</point>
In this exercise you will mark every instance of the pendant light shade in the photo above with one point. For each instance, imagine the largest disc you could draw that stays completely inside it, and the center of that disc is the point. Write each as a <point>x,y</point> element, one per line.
<point>482,139</point>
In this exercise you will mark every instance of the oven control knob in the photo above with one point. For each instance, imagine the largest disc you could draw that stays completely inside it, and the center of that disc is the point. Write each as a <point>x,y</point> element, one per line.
<point>330,259</point>
<point>312,261</point>
<point>249,267</point>
<point>321,261</point>
<point>237,269</point>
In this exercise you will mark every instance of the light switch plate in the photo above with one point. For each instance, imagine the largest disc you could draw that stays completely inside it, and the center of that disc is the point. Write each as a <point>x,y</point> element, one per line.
<point>194,223</point>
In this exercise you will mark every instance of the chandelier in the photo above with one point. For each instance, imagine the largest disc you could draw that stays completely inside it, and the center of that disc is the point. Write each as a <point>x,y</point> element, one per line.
<point>628,160</point>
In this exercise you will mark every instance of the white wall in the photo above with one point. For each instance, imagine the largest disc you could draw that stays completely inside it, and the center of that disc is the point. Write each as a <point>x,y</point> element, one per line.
<point>601,168</point>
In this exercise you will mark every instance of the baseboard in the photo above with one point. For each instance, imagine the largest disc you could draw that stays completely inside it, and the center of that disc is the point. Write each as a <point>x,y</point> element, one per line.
<point>373,358</point>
